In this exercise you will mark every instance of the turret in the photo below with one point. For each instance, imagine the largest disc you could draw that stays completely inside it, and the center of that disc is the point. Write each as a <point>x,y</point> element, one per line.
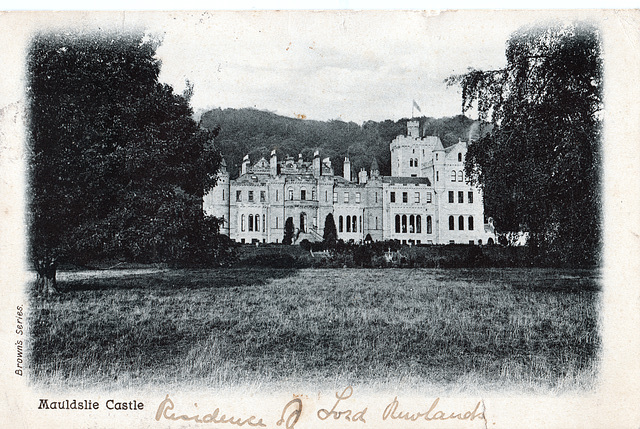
<point>347,169</point>
<point>273,164</point>
<point>316,164</point>
<point>438,163</point>
<point>375,171</point>
<point>245,165</point>
<point>413,129</point>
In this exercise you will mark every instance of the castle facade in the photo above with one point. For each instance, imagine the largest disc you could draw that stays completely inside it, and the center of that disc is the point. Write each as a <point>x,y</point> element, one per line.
<point>425,200</point>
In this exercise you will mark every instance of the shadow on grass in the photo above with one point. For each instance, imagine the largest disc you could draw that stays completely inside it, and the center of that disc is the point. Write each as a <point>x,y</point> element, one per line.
<point>175,279</point>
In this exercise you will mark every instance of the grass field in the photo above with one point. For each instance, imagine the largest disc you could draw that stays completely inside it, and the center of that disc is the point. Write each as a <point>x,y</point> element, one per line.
<point>483,328</point>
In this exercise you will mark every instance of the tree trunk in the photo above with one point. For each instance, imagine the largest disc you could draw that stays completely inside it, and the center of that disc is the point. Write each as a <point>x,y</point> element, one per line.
<point>46,282</point>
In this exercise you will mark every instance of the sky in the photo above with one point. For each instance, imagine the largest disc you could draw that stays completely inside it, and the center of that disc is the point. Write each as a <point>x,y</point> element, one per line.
<point>323,65</point>
<point>351,66</point>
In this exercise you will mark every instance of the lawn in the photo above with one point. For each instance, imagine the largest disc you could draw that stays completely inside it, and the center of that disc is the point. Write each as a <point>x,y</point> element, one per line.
<point>526,329</point>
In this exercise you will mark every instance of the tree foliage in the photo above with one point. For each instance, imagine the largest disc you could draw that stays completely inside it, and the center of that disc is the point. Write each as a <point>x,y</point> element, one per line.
<point>540,165</point>
<point>118,166</point>
<point>330,232</point>
<point>289,231</point>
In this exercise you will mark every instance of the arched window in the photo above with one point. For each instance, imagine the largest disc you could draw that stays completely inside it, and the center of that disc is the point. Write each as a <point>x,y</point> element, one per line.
<point>412,224</point>
<point>257,221</point>
<point>354,223</point>
<point>264,222</point>
<point>303,194</point>
<point>404,223</point>
<point>348,223</point>
<point>459,157</point>
<point>415,162</point>
<point>470,223</point>
<point>419,224</point>
<point>461,223</point>
<point>340,224</point>
<point>429,225</point>
<point>303,222</point>
<point>397,223</point>
<point>460,176</point>
<point>411,162</point>
<point>250,222</point>
<point>451,223</point>
<point>290,194</point>
<point>242,223</point>
<point>453,175</point>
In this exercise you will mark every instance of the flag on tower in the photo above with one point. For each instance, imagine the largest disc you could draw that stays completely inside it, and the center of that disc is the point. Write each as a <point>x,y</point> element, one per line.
<point>416,106</point>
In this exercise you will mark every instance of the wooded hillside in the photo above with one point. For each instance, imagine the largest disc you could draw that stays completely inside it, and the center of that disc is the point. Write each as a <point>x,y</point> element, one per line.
<point>255,132</point>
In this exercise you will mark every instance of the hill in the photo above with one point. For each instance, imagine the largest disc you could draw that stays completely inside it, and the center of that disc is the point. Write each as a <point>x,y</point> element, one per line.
<point>256,132</point>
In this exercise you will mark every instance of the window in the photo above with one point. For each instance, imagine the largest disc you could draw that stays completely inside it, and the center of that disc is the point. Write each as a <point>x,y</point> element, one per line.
<point>263,196</point>
<point>354,224</point>
<point>436,156</point>
<point>417,197</point>
<point>461,223</point>
<point>313,195</point>
<point>326,196</point>
<point>358,197</point>
<point>460,176</point>
<point>459,157</point>
<point>238,195</point>
<point>418,224</point>
<point>250,223</point>
<point>470,197</point>
<point>392,197</point>
<point>346,197</point>
<point>290,194</point>
<point>412,224</point>
<point>242,223</point>
<point>453,175</point>
<point>451,223</point>
<point>404,223</point>
<point>460,196</point>
<point>276,223</point>
<point>376,197</point>
<point>277,197</point>
<point>405,197</point>
<point>415,162</point>
<point>223,195</point>
<point>303,194</point>
<point>250,196</point>
<point>470,223</point>
<point>437,172</point>
<point>348,223</point>
<point>335,197</point>
<point>340,224</point>
<point>397,223</point>
<point>450,196</point>
<point>411,162</point>
<point>428,197</point>
<point>376,222</point>
<point>257,221</point>
<point>429,225</point>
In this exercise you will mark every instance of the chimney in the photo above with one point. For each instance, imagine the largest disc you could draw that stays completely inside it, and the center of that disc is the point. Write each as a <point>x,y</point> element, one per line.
<point>273,164</point>
<point>316,164</point>
<point>245,164</point>
<point>362,176</point>
<point>347,169</point>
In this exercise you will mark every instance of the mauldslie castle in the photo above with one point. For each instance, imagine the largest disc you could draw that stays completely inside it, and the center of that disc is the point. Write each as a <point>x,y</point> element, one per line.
<point>425,200</point>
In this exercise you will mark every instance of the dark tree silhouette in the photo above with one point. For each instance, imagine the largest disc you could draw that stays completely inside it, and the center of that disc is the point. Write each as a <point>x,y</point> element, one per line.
<point>289,230</point>
<point>330,232</point>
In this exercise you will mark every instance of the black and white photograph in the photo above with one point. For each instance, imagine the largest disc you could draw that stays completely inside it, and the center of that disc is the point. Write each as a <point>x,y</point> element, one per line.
<point>310,219</point>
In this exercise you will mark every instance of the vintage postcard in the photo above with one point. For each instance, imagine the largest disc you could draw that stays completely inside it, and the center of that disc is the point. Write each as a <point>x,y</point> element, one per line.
<point>320,219</point>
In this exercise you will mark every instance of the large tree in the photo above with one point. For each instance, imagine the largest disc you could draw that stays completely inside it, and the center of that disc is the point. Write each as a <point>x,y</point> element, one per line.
<point>330,232</point>
<point>540,164</point>
<point>118,166</point>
